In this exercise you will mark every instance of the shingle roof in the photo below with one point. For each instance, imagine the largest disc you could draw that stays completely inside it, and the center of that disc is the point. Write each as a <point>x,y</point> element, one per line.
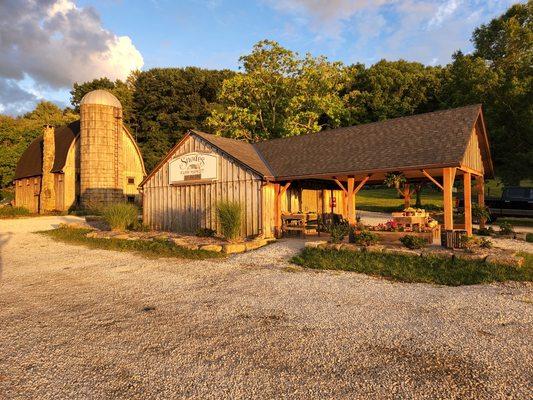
<point>436,138</point>
<point>241,151</point>
<point>31,161</point>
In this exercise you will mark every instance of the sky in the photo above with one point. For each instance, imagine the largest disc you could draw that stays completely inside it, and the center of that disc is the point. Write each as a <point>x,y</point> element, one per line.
<point>47,45</point>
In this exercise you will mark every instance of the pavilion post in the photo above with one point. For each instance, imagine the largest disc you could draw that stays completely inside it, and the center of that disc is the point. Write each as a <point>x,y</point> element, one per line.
<point>406,195</point>
<point>448,178</point>
<point>350,201</point>
<point>480,183</point>
<point>278,193</point>
<point>467,193</point>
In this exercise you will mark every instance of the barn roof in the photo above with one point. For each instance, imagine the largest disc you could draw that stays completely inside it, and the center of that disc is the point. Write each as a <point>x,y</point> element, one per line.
<point>31,161</point>
<point>430,140</point>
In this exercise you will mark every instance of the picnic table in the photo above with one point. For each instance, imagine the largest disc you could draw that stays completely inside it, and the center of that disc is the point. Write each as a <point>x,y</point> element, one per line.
<point>299,222</point>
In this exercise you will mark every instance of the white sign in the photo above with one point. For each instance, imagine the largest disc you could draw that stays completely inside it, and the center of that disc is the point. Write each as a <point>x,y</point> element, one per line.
<point>193,167</point>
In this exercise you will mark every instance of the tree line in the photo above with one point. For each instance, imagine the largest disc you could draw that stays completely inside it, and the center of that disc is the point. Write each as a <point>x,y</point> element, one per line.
<point>279,93</point>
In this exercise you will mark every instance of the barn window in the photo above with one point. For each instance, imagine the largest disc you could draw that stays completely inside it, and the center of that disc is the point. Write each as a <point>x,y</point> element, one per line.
<point>131,180</point>
<point>131,199</point>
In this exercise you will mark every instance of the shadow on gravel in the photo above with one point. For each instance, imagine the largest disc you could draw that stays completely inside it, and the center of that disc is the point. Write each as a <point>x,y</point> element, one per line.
<point>4,238</point>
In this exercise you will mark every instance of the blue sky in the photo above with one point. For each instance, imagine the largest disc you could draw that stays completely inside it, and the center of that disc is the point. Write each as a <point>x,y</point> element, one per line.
<point>81,40</point>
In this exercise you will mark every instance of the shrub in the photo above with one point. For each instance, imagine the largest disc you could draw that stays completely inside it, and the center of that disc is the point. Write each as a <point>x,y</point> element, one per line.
<point>11,212</point>
<point>485,243</point>
<point>505,228</point>
<point>230,217</point>
<point>121,216</point>
<point>529,238</point>
<point>338,232</point>
<point>485,231</point>
<point>413,242</point>
<point>205,232</point>
<point>480,212</point>
<point>365,238</point>
<point>469,243</point>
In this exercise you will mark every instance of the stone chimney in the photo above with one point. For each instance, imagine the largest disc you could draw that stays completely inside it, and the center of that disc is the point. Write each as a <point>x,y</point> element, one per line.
<point>48,198</point>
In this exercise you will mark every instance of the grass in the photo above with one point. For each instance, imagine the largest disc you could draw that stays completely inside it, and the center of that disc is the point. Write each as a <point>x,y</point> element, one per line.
<point>120,216</point>
<point>515,221</point>
<point>150,249</point>
<point>13,212</point>
<point>407,268</point>
<point>387,200</point>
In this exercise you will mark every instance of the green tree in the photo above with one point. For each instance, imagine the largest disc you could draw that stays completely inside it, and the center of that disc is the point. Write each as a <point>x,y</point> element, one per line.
<point>17,133</point>
<point>279,94</point>
<point>167,102</point>
<point>123,91</point>
<point>390,89</point>
<point>498,74</point>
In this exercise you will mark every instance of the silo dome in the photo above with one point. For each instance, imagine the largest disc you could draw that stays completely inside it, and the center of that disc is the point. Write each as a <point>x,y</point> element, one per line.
<point>101,97</point>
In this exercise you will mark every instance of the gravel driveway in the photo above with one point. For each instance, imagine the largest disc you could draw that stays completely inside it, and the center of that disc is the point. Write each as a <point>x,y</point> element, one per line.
<point>90,324</point>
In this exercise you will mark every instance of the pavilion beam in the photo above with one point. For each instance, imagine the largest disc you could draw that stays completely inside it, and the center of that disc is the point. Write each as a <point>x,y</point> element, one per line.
<point>361,184</point>
<point>448,178</point>
<point>480,188</point>
<point>427,175</point>
<point>339,184</point>
<point>467,193</point>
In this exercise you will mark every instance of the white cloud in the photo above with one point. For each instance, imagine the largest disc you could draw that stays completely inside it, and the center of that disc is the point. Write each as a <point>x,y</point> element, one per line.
<point>56,43</point>
<point>444,11</point>
<point>420,30</point>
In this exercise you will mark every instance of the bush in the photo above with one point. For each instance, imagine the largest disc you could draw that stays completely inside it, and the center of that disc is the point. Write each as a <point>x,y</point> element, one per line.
<point>230,217</point>
<point>506,228</point>
<point>529,238</point>
<point>486,231</point>
<point>413,242</point>
<point>485,243</point>
<point>338,231</point>
<point>121,216</point>
<point>365,238</point>
<point>469,243</point>
<point>480,212</point>
<point>205,232</point>
<point>11,212</point>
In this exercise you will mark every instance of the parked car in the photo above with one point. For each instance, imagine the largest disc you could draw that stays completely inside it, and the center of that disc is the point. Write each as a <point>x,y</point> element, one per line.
<point>514,202</point>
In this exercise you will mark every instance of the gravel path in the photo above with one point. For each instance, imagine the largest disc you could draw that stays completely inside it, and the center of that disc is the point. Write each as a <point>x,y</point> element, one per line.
<point>94,324</point>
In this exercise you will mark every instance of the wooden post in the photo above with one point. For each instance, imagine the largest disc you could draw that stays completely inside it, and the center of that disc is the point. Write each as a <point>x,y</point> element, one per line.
<point>350,201</point>
<point>277,212</point>
<point>480,182</point>
<point>467,184</point>
<point>448,178</point>
<point>278,194</point>
<point>406,195</point>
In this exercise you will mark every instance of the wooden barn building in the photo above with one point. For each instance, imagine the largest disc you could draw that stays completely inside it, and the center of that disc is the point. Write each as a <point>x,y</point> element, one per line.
<point>318,173</point>
<point>89,162</point>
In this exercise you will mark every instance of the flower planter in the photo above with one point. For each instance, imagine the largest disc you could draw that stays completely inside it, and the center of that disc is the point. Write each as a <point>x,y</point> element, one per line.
<point>390,237</point>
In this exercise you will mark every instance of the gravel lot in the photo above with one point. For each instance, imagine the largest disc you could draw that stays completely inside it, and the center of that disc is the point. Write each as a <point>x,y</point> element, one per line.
<point>88,324</point>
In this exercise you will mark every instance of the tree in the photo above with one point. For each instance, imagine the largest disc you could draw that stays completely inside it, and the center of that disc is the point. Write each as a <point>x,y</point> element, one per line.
<point>279,94</point>
<point>17,133</point>
<point>123,91</point>
<point>167,102</point>
<point>498,74</point>
<point>390,89</point>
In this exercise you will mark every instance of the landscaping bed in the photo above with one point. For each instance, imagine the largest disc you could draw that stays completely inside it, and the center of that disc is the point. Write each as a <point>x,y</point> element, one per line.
<point>95,234</point>
<point>428,265</point>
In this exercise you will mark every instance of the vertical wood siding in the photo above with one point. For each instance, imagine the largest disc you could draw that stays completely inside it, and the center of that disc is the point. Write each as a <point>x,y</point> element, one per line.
<point>185,208</point>
<point>27,193</point>
<point>472,157</point>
